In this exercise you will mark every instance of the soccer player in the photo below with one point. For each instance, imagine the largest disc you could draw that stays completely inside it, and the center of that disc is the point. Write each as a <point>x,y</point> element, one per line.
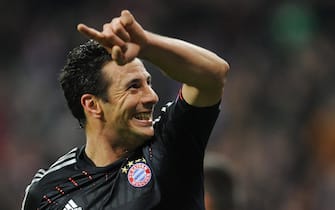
<point>131,161</point>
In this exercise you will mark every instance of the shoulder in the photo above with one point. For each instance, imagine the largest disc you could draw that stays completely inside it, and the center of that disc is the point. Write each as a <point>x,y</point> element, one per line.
<point>67,159</point>
<point>181,112</point>
<point>41,179</point>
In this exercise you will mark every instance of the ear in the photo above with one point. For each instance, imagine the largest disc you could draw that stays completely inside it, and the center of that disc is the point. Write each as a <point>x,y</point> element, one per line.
<point>91,105</point>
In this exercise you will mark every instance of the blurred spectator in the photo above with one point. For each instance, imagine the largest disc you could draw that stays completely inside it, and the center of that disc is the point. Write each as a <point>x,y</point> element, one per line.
<point>221,191</point>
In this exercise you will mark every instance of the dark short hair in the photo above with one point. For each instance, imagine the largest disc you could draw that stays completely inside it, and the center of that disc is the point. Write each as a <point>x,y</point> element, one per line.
<point>82,74</point>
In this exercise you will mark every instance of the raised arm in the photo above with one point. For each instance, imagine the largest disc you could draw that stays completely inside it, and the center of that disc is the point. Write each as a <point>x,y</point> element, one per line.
<point>201,71</point>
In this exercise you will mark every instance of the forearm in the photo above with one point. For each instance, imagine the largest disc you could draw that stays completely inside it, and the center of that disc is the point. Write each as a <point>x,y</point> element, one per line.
<point>185,62</point>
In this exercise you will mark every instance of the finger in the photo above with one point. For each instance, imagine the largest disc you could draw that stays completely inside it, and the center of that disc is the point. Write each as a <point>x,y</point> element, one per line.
<point>106,38</point>
<point>94,34</point>
<point>89,32</point>
<point>117,55</point>
<point>134,29</point>
<point>111,38</point>
<point>119,30</point>
<point>126,18</point>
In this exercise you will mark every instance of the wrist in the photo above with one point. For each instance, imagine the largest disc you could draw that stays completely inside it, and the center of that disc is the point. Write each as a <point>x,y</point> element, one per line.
<point>147,45</point>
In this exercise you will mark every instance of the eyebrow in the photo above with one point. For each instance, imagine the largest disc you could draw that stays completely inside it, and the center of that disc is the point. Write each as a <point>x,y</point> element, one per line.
<point>136,80</point>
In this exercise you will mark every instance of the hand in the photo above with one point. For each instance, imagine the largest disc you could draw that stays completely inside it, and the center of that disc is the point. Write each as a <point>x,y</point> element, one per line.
<point>123,37</point>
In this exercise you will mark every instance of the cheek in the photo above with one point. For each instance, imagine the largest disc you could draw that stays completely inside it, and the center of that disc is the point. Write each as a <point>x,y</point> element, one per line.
<point>123,109</point>
<point>123,104</point>
<point>129,102</point>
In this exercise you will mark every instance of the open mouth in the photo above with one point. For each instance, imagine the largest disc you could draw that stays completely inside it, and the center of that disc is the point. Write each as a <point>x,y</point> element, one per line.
<point>143,116</point>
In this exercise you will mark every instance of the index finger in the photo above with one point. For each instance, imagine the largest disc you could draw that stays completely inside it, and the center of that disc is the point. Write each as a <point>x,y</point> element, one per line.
<point>104,39</point>
<point>90,32</point>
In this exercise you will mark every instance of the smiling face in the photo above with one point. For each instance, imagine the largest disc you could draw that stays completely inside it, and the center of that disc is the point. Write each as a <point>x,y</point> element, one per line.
<point>129,111</point>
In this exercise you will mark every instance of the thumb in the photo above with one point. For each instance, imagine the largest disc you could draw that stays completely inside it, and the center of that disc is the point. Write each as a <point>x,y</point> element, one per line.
<point>117,55</point>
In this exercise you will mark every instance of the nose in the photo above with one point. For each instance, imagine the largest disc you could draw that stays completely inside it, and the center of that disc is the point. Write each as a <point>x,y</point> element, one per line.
<point>149,96</point>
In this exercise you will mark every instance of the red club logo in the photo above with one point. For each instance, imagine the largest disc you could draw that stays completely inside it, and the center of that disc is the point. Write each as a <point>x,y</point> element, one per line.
<point>139,175</point>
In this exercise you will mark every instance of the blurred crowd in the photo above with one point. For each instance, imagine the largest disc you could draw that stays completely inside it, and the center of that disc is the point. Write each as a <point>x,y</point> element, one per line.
<point>277,125</point>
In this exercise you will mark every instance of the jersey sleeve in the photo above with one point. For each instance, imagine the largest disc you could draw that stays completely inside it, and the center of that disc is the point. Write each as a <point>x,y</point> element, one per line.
<point>185,126</point>
<point>182,130</point>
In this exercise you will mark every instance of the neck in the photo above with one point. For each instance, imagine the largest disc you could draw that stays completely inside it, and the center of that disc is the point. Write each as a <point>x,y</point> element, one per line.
<point>102,149</point>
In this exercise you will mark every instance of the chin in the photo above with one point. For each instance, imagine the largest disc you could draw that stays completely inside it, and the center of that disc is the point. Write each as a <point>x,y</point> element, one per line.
<point>146,131</point>
<point>146,135</point>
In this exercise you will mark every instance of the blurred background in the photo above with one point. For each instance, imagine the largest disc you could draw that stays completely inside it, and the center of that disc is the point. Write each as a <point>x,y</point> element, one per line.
<point>277,125</point>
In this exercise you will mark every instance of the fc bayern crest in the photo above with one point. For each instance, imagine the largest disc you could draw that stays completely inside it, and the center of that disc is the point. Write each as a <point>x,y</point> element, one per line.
<point>139,175</point>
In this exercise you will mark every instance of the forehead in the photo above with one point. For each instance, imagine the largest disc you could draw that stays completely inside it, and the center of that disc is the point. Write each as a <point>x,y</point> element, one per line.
<point>119,74</point>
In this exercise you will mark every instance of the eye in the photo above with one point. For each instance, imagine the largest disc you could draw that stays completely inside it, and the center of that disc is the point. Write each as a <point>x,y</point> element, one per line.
<point>134,86</point>
<point>149,82</point>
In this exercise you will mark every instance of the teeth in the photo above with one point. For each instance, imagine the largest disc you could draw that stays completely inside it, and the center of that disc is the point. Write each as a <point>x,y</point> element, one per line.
<point>143,116</point>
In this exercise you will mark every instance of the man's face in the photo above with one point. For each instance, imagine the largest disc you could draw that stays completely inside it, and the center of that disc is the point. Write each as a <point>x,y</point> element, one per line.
<point>129,110</point>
